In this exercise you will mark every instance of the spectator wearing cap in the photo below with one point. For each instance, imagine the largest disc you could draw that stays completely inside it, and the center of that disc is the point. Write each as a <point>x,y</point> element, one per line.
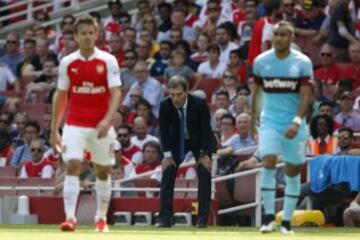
<point>6,149</point>
<point>352,72</point>
<point>213,68</point>
<point>329,73</point>
<point>347,116</point>
<point>111,24</point>
<point>12,54</point>
<point>38,166</point>
<point>340,34</point>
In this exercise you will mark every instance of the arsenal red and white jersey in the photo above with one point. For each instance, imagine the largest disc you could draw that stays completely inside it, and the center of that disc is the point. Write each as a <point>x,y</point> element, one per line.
<point>88,83</point>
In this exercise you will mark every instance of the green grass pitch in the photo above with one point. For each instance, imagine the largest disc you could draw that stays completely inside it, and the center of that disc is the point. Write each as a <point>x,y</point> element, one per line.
<point>51,232</point>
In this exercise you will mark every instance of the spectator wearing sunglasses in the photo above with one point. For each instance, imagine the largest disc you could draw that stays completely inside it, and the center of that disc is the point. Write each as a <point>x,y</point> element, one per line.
<point>329,73</point>
<point>38,166</point>
<point>12,54</point>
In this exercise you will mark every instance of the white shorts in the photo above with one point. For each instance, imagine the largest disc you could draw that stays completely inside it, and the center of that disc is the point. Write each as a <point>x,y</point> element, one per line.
<point>75,140</point>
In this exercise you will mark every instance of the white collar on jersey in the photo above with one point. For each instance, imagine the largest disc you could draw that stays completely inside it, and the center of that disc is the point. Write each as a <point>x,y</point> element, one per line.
<point>94,55</point>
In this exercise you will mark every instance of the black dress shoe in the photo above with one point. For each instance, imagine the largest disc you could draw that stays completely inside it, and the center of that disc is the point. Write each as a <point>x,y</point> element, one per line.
<point>164,224</point>
<point>201,223</point>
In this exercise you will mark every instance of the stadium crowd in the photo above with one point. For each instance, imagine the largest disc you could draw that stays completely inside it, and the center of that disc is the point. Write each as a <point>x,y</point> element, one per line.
<point>212,44</point>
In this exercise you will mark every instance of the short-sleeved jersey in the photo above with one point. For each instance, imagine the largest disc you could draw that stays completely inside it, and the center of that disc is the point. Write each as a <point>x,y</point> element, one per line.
<point>281,80</point>
<point>88,83</point>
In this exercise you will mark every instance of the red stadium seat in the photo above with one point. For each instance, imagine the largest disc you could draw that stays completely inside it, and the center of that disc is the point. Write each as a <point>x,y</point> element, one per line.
<point>145,183</point>
<point>12,94</point>
<point>209,85</point>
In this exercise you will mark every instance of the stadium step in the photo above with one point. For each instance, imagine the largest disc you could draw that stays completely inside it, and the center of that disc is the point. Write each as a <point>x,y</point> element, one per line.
<point>122,218</point>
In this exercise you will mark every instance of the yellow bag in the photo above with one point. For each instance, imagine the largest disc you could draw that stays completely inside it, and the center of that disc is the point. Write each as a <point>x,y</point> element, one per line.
<point>304,218</point>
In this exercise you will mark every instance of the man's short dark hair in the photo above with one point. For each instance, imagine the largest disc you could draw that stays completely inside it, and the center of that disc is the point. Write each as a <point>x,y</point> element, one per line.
<point>130,50</point>
<point>228,116</point>
<point>168,6</point>
<point>347,129</point>
<point>30,41</point>
<point>154,145</point>
<point>4,134</point>
<point>214,47</point>
<point>125,126</point>
<point>222,92</point>
<point>34,124</point>
<point>326,103</point>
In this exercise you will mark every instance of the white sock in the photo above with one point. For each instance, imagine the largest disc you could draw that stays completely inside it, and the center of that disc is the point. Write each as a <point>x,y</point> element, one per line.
<point>71,194</point>
<point>103,195</point>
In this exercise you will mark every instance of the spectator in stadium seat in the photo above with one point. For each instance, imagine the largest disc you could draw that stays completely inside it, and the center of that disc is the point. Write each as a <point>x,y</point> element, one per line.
<point>43,52</point>
<point>213,68</point>
<point>112,22</point>
<point>241,105</point>
<point>352,72</point>
<point>178,21</point>
<point>223,39</point>
<point>165,10</point>
<point>230,83</point>
<point>151,88</point>
<point>348,117</point>
<point>37,166</point>
<point>345,141</point>
<point>30,63</point>
<point>244,138</point>
<point>152,154</point>
<point>329,73</point>
<point>178,66</point>
<point>66,26</point>
<point>327,108</point>
<point>143,49</point>
<point>222,99</point>
<point>144,8</point>
<point>116,43</point>
<point>227,130</point>
<point>310,20</point>
<point>130,38</point>
<point>176,35</point>
<point>17,134</point>
<point>210,20</point>
<point>127,74</point>
<point>23,153</point>
<point>261,37</point>
<point>143,109</point>
<point>6,119</point>
<point>124,21</point>
<point>150,24</point>
<point>216,122</point>
<point>128,149</point>
<point>141,133</point>
<point>6,150</point>
<point>340,34</point>
<point>237,65</point>
<point>162,60</point>
<point>12,54</point>
<point>135,95</point>
<point>145,35</point>
<point>45,81</point>
<point>202,45</point>
<point>186,5</point>
<point>322,140</point>
<point>7,79</point>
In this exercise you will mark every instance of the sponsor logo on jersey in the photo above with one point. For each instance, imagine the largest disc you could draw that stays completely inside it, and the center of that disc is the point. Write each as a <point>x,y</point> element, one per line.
<point>280,85</point>
<point>88,88</point>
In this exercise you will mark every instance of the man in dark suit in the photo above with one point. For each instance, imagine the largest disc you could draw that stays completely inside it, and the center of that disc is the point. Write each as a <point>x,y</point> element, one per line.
<point>185,126</point>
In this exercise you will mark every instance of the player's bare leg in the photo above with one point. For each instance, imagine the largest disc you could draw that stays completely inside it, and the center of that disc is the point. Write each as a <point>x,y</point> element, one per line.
<point>71,193</point>
<point>268,191</point>
<point>103,195</point>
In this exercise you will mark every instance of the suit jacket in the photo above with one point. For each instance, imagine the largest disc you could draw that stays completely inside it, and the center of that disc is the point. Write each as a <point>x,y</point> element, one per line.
<point>197,123</point>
